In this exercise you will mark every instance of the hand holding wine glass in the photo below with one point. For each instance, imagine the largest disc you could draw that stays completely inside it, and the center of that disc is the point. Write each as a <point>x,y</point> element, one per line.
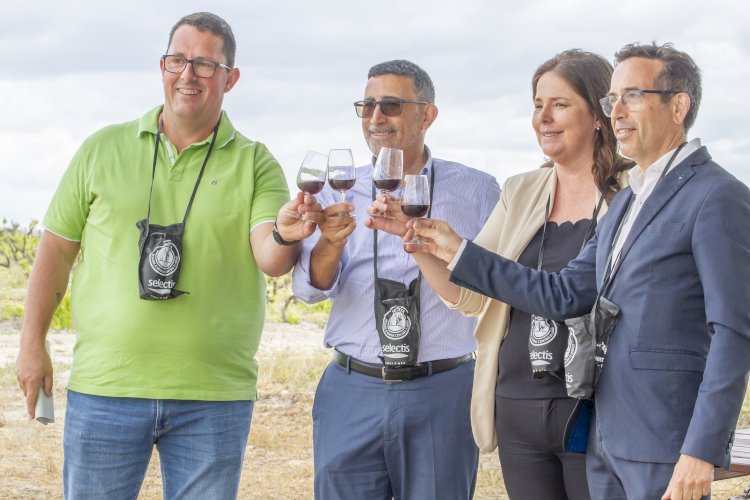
<point>386,176</point>
<point>311,176</point>
<point>415,200</point>
<point>341,174</point>
<point>437,236</point>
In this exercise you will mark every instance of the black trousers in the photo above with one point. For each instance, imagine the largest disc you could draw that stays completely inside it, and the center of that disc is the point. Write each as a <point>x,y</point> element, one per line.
<point>532,458</point>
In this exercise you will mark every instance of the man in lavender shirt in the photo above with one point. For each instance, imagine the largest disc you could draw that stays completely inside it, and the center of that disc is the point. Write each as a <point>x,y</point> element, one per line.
<point>382,432</point>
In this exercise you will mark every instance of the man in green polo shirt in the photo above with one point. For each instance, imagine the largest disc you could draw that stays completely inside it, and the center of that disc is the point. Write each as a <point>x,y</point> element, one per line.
<point>167,323</point>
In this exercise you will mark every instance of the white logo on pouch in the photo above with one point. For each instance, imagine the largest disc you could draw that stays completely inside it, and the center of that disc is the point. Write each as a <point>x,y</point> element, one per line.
<point>542,330</point>
<point>601,352</point>
<point>540,358</point>
<point>572,348</point>
<point>395,351</point>
<point>165,258</point>
<point>396,323</point>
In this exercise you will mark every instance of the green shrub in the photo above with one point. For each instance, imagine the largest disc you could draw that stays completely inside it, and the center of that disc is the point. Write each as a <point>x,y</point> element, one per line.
<point>284,307</point>
<point>63,318</point>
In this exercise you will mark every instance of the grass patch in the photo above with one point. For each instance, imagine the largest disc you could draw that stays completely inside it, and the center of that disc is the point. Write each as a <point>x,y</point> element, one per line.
<point>292,371</point>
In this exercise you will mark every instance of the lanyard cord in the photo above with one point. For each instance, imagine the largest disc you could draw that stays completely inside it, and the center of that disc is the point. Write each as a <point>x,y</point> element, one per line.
<point>612,268</point>
<point>200,174</point>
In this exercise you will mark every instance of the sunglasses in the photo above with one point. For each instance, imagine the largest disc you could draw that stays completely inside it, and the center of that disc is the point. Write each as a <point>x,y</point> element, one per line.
<point>389,106</point>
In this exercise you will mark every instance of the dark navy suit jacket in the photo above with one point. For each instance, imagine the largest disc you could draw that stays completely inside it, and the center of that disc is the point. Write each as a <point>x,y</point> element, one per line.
<point>677,363</point>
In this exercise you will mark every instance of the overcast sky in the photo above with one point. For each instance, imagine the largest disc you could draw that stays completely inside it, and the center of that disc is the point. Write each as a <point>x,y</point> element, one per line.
<point>69,68</point>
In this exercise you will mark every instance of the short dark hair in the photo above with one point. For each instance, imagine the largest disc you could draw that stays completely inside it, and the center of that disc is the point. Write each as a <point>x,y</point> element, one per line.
<point>590,75</point>
<point>206,21</point>
<point>420,79</point>
<point>680,72</point>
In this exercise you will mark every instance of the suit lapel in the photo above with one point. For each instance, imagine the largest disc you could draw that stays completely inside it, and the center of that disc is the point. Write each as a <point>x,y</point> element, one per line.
<point>615,213</point>
<point>663,192</point>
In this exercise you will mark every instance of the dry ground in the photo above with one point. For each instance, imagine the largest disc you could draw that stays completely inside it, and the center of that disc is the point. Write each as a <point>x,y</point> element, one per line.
<point>278,461</point>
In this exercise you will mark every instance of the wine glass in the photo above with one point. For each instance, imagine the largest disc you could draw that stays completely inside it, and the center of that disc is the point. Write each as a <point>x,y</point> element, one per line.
<point>386,176</point>
<point>311,176</point>
<point>415,200</point>
<point>341,173</point>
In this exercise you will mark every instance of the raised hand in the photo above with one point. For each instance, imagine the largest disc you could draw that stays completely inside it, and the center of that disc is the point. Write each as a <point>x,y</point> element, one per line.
<point>292,228</point>
<point>335,230</point>
<point>437,236</point>
<point>396,221</point>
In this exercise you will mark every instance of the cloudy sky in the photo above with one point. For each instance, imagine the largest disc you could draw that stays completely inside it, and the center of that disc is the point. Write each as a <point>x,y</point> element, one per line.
<point>69,68</point>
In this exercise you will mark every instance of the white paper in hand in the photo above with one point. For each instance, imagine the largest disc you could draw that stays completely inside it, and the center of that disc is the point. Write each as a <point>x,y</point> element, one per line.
<point>45,405</point>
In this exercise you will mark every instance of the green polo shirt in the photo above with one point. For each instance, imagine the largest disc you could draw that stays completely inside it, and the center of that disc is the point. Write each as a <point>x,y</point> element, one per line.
<point>199,346</point>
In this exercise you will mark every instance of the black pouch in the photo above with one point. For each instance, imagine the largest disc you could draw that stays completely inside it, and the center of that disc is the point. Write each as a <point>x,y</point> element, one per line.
<point>160,247</point>
<point>160,259</point>
<point>548,340</point>
<point>397,310</point>
<point>587,347</point>
<point>397,320</point>
<point>547,343</point>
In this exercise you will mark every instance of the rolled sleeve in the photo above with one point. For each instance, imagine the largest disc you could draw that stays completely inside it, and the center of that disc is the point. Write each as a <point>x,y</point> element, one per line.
<point>301,286</point>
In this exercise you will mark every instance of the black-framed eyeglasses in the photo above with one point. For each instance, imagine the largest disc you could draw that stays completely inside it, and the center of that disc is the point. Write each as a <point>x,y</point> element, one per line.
<point>389,106</point>
<point>631,99</point>
<point>201,67</point>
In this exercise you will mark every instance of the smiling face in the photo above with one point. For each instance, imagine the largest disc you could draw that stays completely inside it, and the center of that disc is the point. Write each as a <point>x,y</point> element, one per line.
<point>565,126</point>
<point>191,102</point>
<point>405,131</point>
<point>656,127</point>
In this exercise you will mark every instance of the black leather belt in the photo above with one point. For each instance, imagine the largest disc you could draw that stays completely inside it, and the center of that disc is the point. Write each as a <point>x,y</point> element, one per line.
<point>399,374</point>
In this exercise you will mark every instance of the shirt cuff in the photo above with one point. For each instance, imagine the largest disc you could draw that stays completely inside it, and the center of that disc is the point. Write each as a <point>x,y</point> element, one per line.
<point>456,257</point>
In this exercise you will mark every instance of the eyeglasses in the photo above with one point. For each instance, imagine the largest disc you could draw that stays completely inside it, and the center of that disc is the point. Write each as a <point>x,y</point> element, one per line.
<point>201,67</point>
<point>631,99</point>
<point>390,106</point>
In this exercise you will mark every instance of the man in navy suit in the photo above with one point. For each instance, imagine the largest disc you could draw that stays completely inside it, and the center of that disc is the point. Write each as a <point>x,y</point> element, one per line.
<point>676,369</point>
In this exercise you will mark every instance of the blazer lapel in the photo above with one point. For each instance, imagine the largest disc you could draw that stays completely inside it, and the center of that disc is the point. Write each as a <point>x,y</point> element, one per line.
<point>606,232</point>
<point>663,192</point>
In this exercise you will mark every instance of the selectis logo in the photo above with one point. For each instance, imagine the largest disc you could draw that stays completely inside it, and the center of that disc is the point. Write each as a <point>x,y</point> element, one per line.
<point>396,323</point>
<point>543,331</point>
<point>165,258</point>
<point>572,348</point>
<point>540,358</point>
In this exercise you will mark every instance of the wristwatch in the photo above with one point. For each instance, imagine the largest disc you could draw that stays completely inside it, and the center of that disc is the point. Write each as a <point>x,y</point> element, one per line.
<point>279,239</point>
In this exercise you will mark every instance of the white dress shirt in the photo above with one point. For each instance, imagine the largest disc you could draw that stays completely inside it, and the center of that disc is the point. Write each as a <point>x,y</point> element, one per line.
<point>643,185</point>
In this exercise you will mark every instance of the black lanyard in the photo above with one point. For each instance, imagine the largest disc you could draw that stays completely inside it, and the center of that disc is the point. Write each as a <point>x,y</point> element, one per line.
<point>613,267</point>
<point>586,236</point>
<point>200,174</point>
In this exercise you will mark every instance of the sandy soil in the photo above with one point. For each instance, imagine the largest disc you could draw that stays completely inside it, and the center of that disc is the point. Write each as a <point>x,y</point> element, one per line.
<point>278,460</point>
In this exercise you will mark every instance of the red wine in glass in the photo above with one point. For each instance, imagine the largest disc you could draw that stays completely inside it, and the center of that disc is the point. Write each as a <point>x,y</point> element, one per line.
<point>311,176</point>
<point>387,185</point>
<point>386,176</point>
<point>311,187</point>
<point>341,174</point>
<point>415,211</point>
<point>416,200</point>
<point>341,185</point>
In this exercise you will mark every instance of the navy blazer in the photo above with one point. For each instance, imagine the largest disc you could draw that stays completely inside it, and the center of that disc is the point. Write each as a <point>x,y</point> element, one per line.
<point>677,364</point>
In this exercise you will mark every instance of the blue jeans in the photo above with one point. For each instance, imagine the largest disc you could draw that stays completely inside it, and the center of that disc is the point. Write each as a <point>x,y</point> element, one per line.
<point>108,443</point>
